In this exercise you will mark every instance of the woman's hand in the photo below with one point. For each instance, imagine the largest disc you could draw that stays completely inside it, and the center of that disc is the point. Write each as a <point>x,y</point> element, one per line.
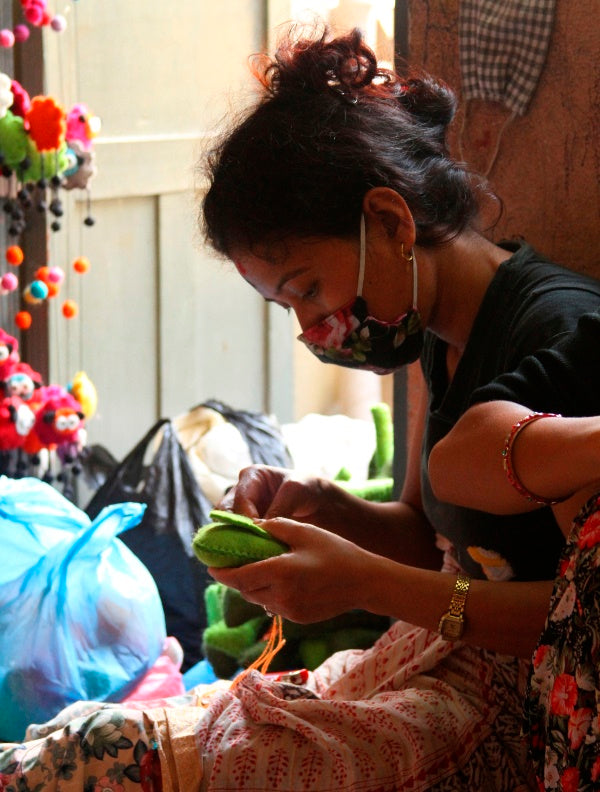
<point>265,492</point>
<point>321,576</point>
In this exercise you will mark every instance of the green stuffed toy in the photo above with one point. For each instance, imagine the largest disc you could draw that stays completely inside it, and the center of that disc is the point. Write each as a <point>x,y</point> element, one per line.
<point>237,631</point>
<point>236,634</point>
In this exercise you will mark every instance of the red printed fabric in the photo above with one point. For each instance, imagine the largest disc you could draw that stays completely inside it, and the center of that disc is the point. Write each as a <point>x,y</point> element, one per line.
<point>562,716</point>
<point>413,713</point>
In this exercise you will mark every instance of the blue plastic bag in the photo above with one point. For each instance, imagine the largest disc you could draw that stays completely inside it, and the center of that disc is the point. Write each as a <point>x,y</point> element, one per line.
<point>80,615</point>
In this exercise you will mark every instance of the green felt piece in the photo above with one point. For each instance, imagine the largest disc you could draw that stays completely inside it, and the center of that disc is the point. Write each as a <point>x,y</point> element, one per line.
<point>377,489</point>
<point>233,640</point>
<point>214,595</point>
<point>233,540</point>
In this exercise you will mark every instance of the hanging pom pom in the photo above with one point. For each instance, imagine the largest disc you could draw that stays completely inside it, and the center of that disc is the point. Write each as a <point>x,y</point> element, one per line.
<point>14,255</point>
<point>29,297</point>
<point>23,320</point>
<point>38,290</point>
<point>55,275</point>
<point>70,309</point>
<point>9,281</point>
<point>58,23</point>
<point>21,33</point>
<point>7,38</point>
<point>81,265</point>
<point>53,290</point>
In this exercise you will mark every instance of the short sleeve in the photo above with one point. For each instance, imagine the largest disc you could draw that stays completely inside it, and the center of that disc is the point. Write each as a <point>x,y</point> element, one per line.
<point>563,376</point>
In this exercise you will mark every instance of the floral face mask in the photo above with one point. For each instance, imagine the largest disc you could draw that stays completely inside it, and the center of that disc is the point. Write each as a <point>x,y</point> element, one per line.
<point>351,337</point>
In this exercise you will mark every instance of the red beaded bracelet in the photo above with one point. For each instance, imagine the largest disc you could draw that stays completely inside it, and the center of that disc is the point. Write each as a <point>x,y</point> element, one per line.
<point>508,464</point>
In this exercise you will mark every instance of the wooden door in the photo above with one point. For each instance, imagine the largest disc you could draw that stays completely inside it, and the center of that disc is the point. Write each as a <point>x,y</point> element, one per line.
<point>163,325</point>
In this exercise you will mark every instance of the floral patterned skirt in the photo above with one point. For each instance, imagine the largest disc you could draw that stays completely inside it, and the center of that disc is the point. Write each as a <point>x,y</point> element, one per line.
<point>562,704</point>
<point>412,713</point>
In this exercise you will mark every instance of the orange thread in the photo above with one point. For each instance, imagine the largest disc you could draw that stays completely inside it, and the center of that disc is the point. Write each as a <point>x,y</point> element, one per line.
<point>275,643</point>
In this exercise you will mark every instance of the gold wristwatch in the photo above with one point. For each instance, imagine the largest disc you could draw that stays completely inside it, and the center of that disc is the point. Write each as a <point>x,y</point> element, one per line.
<point>452,622</point>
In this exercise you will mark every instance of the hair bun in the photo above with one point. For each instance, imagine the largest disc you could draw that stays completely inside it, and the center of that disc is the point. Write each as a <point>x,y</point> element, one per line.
<point>345,64</point>
<point>430,100</point>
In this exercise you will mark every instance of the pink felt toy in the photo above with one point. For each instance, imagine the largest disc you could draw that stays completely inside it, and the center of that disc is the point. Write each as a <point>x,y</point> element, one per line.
<point>21,101</point>
<point>9,354</point>
<point>81,126</point>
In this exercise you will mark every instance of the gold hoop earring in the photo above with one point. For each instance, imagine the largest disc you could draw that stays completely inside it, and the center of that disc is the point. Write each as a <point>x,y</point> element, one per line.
<point>406,258</point>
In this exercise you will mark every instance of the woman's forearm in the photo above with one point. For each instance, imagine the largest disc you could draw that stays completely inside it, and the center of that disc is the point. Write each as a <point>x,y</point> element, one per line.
<point>503,617</point>
<point>395,530</point>
<point>553,458</point>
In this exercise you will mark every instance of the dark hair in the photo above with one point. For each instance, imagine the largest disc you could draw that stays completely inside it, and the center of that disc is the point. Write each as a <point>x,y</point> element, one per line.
<point>329,126</point>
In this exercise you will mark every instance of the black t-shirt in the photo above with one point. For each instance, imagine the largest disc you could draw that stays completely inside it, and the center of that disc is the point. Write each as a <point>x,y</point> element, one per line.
<point>526,345</point>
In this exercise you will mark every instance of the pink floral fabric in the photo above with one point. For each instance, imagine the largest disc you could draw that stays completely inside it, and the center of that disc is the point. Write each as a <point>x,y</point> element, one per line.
<point>413,713</point>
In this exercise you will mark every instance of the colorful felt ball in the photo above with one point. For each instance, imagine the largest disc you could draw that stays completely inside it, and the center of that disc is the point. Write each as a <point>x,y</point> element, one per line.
<point>30,298</point>
<point>14,255</point>
<point>58,23</point>
<point>43,274</point>
<point>70,309</point>
<point>81,265</point>
<point>39,289</point>
<point>7,38</point>
<point>9,281</point>
<point>53,289</point>
<point>21,32</point>
<point>55,275</point>
<point>23,320</point>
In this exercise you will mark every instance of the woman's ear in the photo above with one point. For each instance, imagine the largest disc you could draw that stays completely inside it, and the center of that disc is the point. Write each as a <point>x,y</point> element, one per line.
<point>387,209</point>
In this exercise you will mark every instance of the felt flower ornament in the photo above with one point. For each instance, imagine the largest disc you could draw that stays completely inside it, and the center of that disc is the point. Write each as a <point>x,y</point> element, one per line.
<point>6,95</point>
<point>46,122</point>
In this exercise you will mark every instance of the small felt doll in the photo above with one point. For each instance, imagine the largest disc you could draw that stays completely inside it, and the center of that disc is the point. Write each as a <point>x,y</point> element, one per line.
<point>9,354</point>
<point>22,382</point>
<point>58,421</point>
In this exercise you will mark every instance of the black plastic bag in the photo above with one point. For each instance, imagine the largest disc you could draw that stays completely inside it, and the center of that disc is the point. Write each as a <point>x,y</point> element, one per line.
<point>175,508</point>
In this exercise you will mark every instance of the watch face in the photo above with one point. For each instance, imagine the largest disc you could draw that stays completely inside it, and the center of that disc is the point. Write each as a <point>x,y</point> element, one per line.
<point>451,627</point>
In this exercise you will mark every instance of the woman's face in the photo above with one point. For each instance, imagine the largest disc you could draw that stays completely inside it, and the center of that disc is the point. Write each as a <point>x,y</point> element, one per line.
<point>315,277</point>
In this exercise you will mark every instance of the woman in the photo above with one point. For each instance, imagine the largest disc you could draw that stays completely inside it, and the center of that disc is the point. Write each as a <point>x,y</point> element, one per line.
<point>336,198</point>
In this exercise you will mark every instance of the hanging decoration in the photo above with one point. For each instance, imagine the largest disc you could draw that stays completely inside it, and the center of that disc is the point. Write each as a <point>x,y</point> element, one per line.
<point>44,148</point>
<point>40,425</point>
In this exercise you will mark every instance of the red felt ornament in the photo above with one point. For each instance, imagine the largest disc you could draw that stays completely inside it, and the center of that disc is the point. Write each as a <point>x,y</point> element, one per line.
<point>23,320</point>
<point>70,309</point>
<point>14,255</point>
<point>81,265</point>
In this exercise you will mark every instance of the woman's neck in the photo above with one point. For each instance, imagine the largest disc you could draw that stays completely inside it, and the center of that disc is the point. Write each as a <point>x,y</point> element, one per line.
<point>459,274</point>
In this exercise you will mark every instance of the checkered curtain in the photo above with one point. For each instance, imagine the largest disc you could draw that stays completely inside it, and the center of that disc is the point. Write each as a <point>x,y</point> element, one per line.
<point>503,46</point>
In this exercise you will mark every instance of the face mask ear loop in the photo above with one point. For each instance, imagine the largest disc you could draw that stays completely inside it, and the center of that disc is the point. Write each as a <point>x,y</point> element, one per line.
<point>415,277</point>
<point>361,265</point>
